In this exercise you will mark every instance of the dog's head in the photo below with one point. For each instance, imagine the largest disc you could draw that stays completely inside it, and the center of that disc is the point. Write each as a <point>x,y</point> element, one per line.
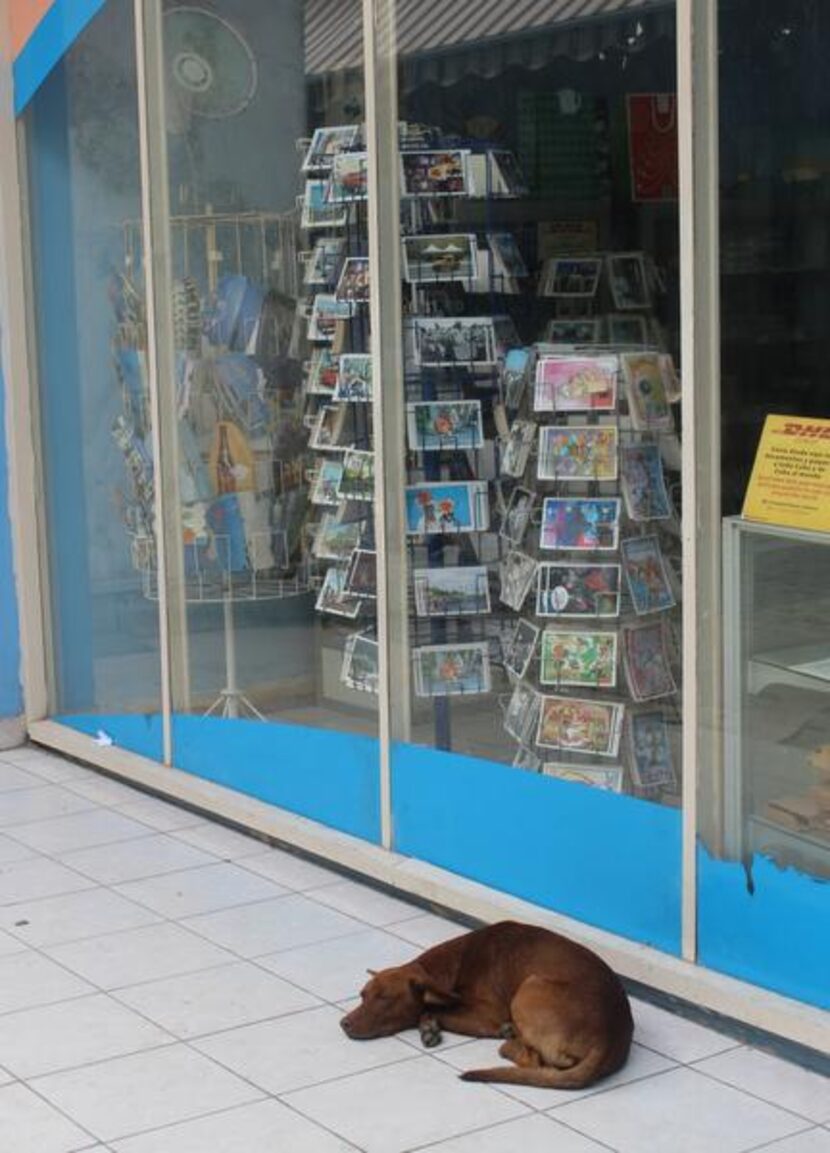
<point>393,1000</point>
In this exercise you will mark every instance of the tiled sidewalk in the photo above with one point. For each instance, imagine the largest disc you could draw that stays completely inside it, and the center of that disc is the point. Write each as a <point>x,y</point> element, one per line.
<point>170,986</point>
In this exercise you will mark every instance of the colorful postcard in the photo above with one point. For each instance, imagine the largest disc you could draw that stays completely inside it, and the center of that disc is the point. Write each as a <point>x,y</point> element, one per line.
<point>583,525</point>
<point>452,670</point>
<point>574,330</point>
<point>333,597</point>
<point>324,261</point>
<point>326,483</point>
<point>357,480</point>
<point>645,574</point>
<point>577,452</point>
<point>507,256</point>
<point>642,482</point>
<point>573,276</point>
<point>517,572</point>
<point>528,760</point>
<point>361,574</point>
<point>627,329</point>
<point>576,384</point>
<point>450,592</point>
<point>466,341</point>
<point>326,313</point>
<point>584,659</point>
<point>610,779</point>
<point>521,648</point>
<point>335,541</point>
<point>650,749</point>
<point>349,177</point>
<point>514,375</point>
<point>323,372</point>
<point>645,649</point>
<point>627,277</point>
<point>434,425</point>
<point>645,387</point>
<point>353,284</point>
<point>578,590</point>
<point>326,143</point>
<point>671,380</point>
<point>516,451</point>
<point>317,211</point>
<point>445,256</point>
<point>328,428</point>
<point>517,515</point>
<point>354,377</point>
<point>521,719</point>
<point>580,726</point>
<point>447,507</point>
<point>434,173</point>
<point>360,668</point>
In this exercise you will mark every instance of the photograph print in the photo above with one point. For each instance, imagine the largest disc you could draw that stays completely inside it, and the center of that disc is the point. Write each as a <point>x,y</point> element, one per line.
<point>445,342</point>
<point>516,572</point>
<point>517,515</point>
<point>578,590</point>
<point>434,425</point>
<point>627,277</point>
<point>528,760</point>
<point>353,284</point>
<point>574,330</point>
<point>317,211</point>
<point>520,650</point>
<point>514,373</point>
<point>583,659</point>
<point>650,749</point>
<point>645,575</point>
<point>361,573</point>
<point>645,650</point>
<point>328,428</point>
<point>577,452</point>
<point>446,507</point>
<point>360,664</point>
<point>323,262</point>
<point>573,276</point>
<point>452,670</point>
<point>326,483</point>
<point>582,524</point>
<point>326,313</point>
<point>451,591</point>
<point>335,541</point>
<point>610,779</point>
<point>357,479</point>
<point>349,177</point>
<point>354,377</point>
<point>322,372</point>
<point>444,256</point>
<point>333,597</point>
<point>580,726</point>
<point>522,717</point>
<point>516,451</point>
<point>627,329</point>
<point>435,173</point>
<point>642,482</point>
<point>507,256</point>
<point>325,145</point>
<point>645,387</point>
<point>576,384</point>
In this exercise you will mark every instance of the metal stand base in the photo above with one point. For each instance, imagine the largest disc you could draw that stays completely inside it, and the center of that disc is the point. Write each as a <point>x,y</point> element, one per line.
<point>231,701</point>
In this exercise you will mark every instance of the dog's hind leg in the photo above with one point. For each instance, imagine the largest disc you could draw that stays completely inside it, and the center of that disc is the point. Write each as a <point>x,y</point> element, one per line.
<point>520,1054</point>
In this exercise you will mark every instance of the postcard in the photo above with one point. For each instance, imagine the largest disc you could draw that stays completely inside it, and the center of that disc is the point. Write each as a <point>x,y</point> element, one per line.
<point>645,574</point>
<point>578,590</point>
<point>517,449</point>
<point>354,377</point>
<point>326,313</point>
<point>528,760</point>
<point>449,592</point>
<point>317,211</point>
<point>322,372</point>
<point>522,716</point>
<point>436,425</point>
<point>361,573</point>
<point>507,256</point>
<point>322,266</point>
<point>610,779</point>
<point>572,276</point>
<point>447,342</point>
<point>580,726</point>
<point>645,649</point>
<point>642,482</point>
<point>580,524</point>
<point>576,384</point>
<point>326,143</point>
<point>435,173</point>
<point>326,483</point>
<point>623,329</point>
<point>360,669</point>
<point>514,373</point>
<point>577,452</point>
<point>627,277</point>
<point>445,256</point>
<point>521,648</point>
<point>671,380</point>
<point>586,659</point>
<point>517,572</point>
<point>645,387</point>
<point>349,177</point>
<point>353,284</point>
<point>650,749</point>
<point>447,507</point>
<point>452,670</point>
<point>335,541</point>
<point>508,177</point>
<point>517,515</point>
<point>328,428</point>
<point>574,330</point>
<point>333,597</point>
<point>357,479</point>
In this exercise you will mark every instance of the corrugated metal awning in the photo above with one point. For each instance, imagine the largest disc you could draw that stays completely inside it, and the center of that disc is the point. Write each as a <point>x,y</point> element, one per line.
<point>333,29</point>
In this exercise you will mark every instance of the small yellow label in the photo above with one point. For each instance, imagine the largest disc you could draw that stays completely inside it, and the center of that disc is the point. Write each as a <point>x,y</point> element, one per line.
<point>790,482</point>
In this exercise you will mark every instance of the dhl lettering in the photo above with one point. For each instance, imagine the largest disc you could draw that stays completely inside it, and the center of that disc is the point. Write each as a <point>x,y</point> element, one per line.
<point>796,428</point>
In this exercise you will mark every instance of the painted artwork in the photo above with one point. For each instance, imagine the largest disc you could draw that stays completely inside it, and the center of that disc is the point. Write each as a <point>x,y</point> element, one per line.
<point>433,426</point>
<point>645,386</point>
<point>645,650</point>
<point>583,659</point>
<point>571,452</point>
<point>583,525</point>
<point>451,591</point>
<point>576,384</point>
<point>446,507</point>
<point>642,482</point>
<point>645,574</point>
<point>451,670</point>
<point>578,590</point>
<point>650,749</point>
<point>580,726</point>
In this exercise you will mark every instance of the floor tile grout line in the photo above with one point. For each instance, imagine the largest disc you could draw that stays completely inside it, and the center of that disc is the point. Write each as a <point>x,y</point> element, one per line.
<point>94,1138</point>
<point>776,1140</point>
<point>749,1093</point>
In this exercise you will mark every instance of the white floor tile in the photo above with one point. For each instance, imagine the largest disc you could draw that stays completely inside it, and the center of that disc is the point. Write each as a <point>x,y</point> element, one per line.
<point>12,777</point>
<point>676,1037</point>
<point>29,1125</point>
<point>303,1049</point>
<point>336,971</point>
<point>11,850</point>
<point>221,841</point>
<point>159,815</point>
<point>28,979</point>
<point>89,1029</point>
<point>144,1091</point>
<point>679,1112</point>
<point>364,903</point>
<point>264,1127</point>
<point>289,870</point>
<point>9,945</point>
<point>146,856</point>
<point>426,930</point>
<point>810,1141</point>
<point>104,790</point>
<point>55,920</point>
<point>46,801</point>
<point>218,885</point>
<point>79,831</point>
<point>5,1077</point>
<point>777,1081</point>
<point>38,877</point>
<point>48,766</point>
<point>403,1106</point>
<point>534,1134</point>
<point>222,998</point>
<point>269,926</point>
<point>145,954</point>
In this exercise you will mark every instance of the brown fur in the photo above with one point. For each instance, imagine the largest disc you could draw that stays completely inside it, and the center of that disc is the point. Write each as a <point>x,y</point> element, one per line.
<point>564,1012</point>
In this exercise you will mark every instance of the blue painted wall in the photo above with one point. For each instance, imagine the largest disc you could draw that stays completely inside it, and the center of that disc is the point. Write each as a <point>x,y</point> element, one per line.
<point>11,697</point>
<point>61,25</point>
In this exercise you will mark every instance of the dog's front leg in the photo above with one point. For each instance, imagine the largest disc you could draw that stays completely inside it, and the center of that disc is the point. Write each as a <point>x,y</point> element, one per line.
<point>430,1031</point>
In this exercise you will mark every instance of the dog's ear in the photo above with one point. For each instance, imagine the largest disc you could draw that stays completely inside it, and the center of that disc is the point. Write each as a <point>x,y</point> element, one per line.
<point>372,972</point>
<point>434,993</point>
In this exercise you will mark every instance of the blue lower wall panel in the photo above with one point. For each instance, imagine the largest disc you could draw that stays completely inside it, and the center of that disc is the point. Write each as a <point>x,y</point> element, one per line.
<point>774,933</point>
<point>136,732</point>
<point>612,861</point>
<point>11,696</point>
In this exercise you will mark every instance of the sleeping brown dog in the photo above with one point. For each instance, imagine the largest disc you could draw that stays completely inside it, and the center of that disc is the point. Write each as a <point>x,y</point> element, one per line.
<point>563,1013</point>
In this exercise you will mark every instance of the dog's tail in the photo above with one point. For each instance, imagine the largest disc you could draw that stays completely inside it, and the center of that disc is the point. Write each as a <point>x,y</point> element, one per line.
<point>595,1064</point>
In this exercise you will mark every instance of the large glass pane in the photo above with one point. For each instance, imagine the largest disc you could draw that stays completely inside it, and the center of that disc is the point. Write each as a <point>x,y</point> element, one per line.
<point>765,859</point>
<point>91,361</point>
<point>539,233</point>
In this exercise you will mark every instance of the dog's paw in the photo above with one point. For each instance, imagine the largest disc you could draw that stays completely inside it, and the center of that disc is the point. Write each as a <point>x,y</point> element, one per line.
<point>507,1032</point>
<point>430,1032</point>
